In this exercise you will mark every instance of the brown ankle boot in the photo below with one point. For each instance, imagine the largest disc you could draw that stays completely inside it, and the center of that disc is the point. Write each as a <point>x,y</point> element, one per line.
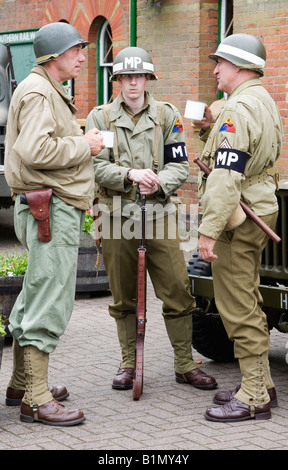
<point>52,413</point>
<point>123,380</point>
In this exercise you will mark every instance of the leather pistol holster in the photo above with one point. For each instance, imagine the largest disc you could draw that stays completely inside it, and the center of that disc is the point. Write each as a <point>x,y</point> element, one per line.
<point>39,202</point>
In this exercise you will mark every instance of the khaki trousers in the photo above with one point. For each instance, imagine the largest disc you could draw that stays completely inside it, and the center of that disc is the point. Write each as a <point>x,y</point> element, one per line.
<point>44,306</point>
<point>236,286</point>
<point>239,302</point>
<point>168,272</point>
<point>166,267</point>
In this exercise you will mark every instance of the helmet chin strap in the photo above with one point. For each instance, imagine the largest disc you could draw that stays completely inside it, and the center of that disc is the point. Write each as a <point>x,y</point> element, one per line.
<point>45,58</point>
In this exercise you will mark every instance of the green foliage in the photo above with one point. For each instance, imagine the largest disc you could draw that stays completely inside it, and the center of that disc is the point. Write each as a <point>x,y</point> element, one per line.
<point>88,224</point>
<point>2,327</point>
<point>13,264</point>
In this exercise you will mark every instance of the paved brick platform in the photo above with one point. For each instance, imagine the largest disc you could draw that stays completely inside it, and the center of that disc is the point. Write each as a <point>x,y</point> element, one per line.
<point>168,417</point>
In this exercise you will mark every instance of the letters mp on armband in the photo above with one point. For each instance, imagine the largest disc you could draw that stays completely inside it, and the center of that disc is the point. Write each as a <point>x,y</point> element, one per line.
<point>175,152</point>
<point>231,159</point>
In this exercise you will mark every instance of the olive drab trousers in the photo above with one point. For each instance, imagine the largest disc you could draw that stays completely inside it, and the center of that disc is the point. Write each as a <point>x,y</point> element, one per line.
<point>167,269</point>
<point>44,306</point>
<point>239,301</point>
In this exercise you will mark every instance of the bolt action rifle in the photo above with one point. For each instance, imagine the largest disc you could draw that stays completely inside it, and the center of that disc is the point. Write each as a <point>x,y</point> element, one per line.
<point>245,208</point>
<point>13,80</point>
<point>141,310</point>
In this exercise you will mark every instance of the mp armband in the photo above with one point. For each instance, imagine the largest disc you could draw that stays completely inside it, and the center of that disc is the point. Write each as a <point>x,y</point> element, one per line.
<point>175,152</point>
<point>231,159</point>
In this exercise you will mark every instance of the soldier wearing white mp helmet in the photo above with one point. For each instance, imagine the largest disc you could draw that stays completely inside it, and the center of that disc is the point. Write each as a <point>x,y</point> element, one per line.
<point>244,51</point>
<point>133,60</point>
<point>148,158</point>
<point>243,144</point>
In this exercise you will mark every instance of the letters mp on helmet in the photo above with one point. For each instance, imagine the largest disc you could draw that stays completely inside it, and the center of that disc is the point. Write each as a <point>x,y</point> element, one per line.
<point>244,51</point>
<point>55,38</point>
<point>133,60</point>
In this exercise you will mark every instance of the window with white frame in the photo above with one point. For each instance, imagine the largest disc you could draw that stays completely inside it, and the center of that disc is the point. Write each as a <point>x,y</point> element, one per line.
<point>226,19</point>
<point>225,27</point>
<point>105,63</point>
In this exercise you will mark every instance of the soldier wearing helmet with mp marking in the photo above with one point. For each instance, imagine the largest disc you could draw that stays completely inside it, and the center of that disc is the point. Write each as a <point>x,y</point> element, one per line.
<point>148,158</point>
<point>242,147</point>
<point>48,166</point>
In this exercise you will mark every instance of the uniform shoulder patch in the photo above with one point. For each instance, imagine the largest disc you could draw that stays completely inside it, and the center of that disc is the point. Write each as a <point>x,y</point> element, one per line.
<point>178,126</point>
<point>228,125</point>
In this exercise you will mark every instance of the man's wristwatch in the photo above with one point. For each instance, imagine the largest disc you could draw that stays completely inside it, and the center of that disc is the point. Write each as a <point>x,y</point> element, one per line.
<point>127,176</point>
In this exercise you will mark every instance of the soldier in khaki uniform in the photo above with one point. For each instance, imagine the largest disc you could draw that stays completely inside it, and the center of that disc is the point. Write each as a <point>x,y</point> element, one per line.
<point>148,158</point>
<point>45,148</point>
<point>244,143</point>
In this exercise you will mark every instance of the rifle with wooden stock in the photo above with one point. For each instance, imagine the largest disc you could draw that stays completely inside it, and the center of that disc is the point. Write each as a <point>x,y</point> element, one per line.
<point>245,208</point>
<point>141,309</point>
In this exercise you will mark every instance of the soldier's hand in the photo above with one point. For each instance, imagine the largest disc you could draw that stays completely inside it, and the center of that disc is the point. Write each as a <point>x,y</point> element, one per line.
<point>148,190</point>
<point>206,247</point>
<point>206,121</point>
<point>145,177</point>
<point>95,141</point>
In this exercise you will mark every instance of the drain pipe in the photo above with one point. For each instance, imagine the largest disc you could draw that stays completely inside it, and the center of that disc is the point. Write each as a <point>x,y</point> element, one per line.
<point>133,23</point>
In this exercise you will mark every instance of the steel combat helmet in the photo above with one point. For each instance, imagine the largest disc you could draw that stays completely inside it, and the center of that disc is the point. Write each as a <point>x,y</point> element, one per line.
<point>133,60</point>
<point>55,38</point>
<point>243,50</point>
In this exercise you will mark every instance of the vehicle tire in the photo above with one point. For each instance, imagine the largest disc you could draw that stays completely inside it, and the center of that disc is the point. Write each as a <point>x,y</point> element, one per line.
<point>210,339</point>
<point>198,266</point>
<point>209,336</point>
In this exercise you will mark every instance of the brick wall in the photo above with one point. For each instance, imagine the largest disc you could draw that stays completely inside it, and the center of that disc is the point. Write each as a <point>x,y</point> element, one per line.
<point>269,21</point>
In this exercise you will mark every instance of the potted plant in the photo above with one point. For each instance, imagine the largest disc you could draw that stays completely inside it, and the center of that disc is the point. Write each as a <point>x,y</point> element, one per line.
<point>91,274</point>
<point>2,335</point>
<point>89,223</point>
<point>13,266</point>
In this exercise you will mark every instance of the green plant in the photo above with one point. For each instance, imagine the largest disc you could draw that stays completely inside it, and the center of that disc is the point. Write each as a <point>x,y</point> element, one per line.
<point>2,327</point>
<point>88,224</point>
<point>13,264</point>
<point>16,262</point>
<point>156,4</point>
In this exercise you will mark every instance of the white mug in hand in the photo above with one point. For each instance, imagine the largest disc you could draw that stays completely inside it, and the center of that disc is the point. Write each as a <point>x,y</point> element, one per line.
<point>108,138</point>
<point>194,110</point>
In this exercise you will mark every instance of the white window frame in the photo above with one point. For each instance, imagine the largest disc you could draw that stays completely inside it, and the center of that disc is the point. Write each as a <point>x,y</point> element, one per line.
<point>104,65</point>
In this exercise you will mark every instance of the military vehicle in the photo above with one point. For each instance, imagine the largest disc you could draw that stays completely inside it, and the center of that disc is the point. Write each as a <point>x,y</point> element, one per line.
<point>209,336</point>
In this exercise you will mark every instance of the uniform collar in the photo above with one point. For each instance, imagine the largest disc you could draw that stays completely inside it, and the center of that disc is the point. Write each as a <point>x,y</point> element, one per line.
<point>149,103</point>
<point>40,70</point>
<point>248,83</point>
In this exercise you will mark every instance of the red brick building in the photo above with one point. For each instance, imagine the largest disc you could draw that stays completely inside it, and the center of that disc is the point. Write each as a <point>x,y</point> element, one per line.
<point>179,34</point>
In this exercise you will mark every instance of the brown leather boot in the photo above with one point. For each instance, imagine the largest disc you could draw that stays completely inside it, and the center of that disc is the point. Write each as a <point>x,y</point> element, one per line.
<point>197,378</point>
<point>14,396</point>
<point>123,380</point>
<point>52,413</point>
<point>236,410</point>
<point>222,397</point>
